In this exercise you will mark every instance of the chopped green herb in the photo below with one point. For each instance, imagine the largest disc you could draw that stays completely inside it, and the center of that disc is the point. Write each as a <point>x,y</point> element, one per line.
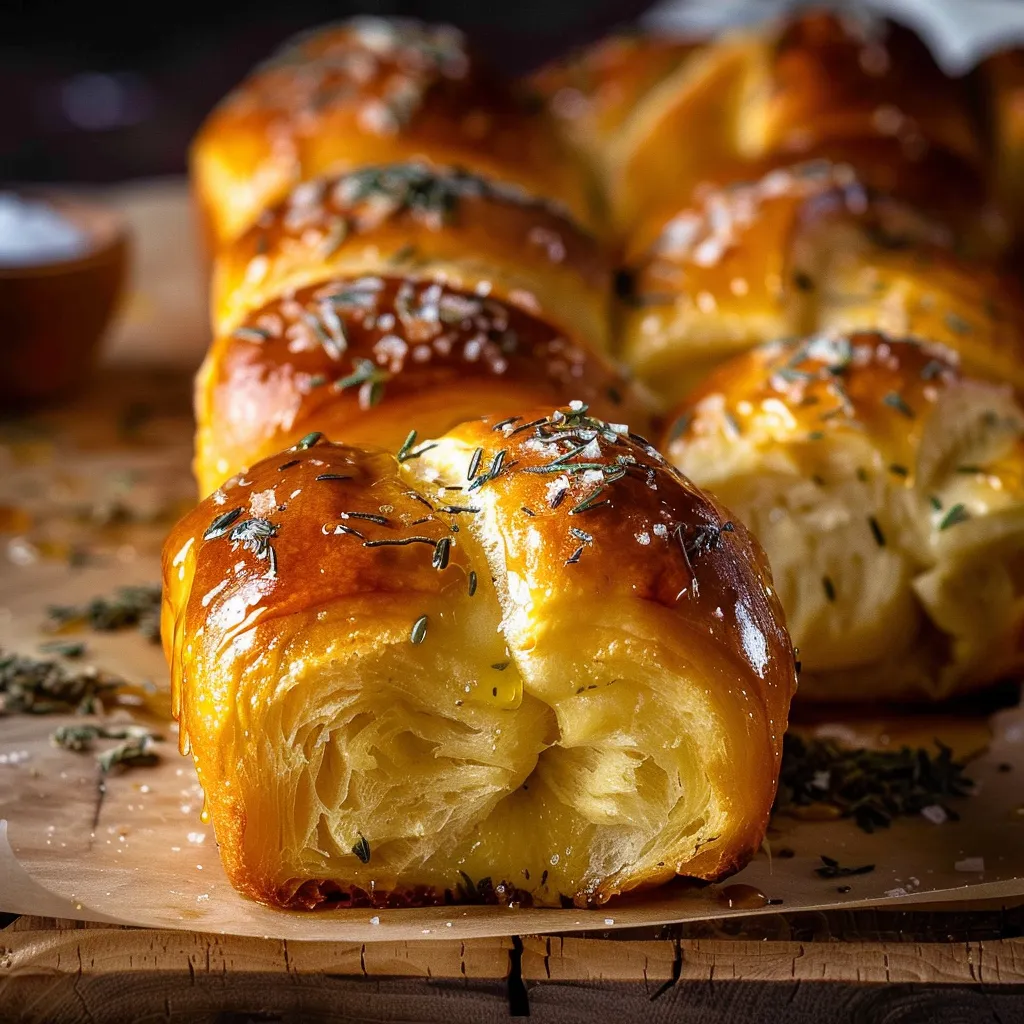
<point>253,334</point>
<point>876,531</point>
<point>442,552</point>
<point>957,324</point>
<point>333,476</point>
<point>405,453</point>
<point>419,630</point>
<point>895,401</point>
<point>957,514</point>
<point>829,586</point>
<point>137,606</point>
<point>222,524</point>
<point>64,648</point>
<point>308,441</point>
<point>472,583</point>
<point>369,378</point>
<point>361,849</point>
<point>872,787</point>
<point>832,869</point>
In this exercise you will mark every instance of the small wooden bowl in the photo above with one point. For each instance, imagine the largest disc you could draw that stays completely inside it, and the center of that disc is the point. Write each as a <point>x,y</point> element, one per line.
<point>53,315</point>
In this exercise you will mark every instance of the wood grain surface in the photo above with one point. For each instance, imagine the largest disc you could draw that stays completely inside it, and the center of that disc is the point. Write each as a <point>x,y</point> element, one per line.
<point>69,971</point>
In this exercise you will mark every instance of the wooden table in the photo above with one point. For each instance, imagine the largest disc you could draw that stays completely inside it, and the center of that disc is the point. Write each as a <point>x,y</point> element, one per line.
<point>912,966</point>
<point>953,963</point>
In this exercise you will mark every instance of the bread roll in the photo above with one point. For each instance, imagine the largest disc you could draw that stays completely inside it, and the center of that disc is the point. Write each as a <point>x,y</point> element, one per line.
<point>887,488</point>
<point>528,663</point>
<point>663,117</point>
<point>365,92</point>
<point>800,250</point>
<point>400,298</point>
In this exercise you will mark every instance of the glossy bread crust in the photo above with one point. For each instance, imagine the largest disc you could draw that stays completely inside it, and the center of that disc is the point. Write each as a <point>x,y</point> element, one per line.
<point>799,250</point>
<point>888,490</point>
<point>367,359</point>
<point>530,651</point>
<point>364,92</point>
<point>477,235</point>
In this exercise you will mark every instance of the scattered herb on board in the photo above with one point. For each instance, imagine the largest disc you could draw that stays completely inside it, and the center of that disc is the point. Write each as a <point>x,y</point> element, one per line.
<point>831,868</point>
<point>135,750</point>
<point>35,686</point>
<point>129,606</point>
<point>820,779</point>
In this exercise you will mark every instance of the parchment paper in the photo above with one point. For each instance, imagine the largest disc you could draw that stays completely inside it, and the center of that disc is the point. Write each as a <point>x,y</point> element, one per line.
<point>150,861</point>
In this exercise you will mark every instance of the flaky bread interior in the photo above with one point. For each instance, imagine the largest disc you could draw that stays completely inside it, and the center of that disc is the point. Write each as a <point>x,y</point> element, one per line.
<point>894,526</point>
<point>371,725</point>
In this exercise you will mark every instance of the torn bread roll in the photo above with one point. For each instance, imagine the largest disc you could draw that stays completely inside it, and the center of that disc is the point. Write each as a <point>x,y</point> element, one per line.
<point>887,488</point>
<point>527,662</point>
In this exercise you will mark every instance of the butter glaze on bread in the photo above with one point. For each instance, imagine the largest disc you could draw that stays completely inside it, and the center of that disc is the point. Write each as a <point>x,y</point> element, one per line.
<point>532,654</point>
<point>888,491</point>
<point>371,91</point>
<point>369,359</point>
<point>399,298</point>
<point>432,225</point>
<point>801,250</point>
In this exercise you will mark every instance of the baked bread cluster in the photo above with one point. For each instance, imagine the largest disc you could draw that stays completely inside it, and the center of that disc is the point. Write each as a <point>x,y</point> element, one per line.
<point>528,651</point>
<point>446,626</point>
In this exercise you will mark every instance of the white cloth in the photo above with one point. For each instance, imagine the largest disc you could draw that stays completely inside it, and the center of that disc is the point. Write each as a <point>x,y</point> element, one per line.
<point>959,32</point>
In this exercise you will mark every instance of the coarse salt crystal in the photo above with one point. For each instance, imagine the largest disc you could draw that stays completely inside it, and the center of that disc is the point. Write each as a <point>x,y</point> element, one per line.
<point>934,813</point>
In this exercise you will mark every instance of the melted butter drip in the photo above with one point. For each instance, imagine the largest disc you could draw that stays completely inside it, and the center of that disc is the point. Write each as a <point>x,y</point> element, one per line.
<point>742,897</point>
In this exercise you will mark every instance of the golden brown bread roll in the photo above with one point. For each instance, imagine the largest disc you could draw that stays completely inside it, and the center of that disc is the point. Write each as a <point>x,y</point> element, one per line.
<point>365,92</point>
<point>595,91</point>
<point>528,660</point>
<point>806,249</point>
<point>429,225</point>
<point>443,294</point>
<point>817,85</point>
<point>888,491</point>
<point>369,359</point>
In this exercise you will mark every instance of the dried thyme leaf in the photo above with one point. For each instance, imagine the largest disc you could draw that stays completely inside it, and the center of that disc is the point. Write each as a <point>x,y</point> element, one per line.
<point>831,868</point>
<point>361,849</point>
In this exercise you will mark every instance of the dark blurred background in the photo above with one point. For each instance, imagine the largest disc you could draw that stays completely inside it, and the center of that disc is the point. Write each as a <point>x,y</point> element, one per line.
<point>97,92</point>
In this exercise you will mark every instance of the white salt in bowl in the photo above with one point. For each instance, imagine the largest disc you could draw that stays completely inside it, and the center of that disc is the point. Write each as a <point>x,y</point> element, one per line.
<point>62,271</point>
